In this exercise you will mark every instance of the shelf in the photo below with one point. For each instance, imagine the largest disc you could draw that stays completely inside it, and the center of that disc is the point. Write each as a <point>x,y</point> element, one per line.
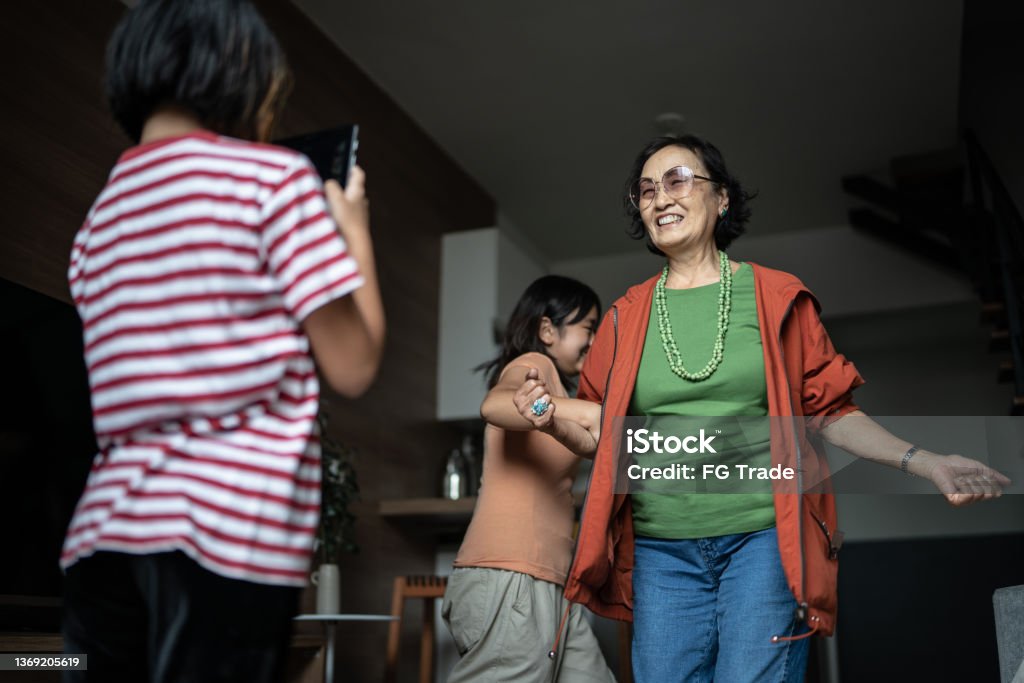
<point>444,520</point>
<point>31,613</point>
<point>30,601</point>
<point>431,510</point>
<point>437,510</point>
<point>31,642</point>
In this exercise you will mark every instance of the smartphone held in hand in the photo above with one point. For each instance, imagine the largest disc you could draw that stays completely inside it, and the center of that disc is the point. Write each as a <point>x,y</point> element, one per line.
<point>332,151</point>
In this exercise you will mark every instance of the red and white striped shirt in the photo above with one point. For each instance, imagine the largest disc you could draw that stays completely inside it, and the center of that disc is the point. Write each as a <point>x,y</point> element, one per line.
<point>192,273</point>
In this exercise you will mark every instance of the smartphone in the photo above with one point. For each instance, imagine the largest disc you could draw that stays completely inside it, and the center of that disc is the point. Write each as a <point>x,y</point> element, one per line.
<point>332,151</point>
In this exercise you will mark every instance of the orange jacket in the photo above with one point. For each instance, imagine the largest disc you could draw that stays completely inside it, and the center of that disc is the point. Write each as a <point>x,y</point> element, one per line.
<point>805,376</point>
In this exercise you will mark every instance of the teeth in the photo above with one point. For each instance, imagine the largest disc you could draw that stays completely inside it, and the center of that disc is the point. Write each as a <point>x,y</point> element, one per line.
<point>665,220</point>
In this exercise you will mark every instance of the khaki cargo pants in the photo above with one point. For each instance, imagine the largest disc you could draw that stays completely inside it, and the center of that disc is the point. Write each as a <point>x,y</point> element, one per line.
<point>504,625</point>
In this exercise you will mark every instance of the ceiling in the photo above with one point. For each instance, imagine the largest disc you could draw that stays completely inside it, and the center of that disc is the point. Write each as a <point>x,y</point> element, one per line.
<point>546,103</point>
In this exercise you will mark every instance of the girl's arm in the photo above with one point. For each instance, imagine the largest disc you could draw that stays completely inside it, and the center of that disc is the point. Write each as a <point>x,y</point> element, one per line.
<point>347,335</point>
<point>576,424</point>
<point>498,408</point>
<point>961,480</point>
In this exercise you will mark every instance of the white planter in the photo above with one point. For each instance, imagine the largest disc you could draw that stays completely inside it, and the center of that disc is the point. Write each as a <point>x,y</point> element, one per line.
<point>327,579</point>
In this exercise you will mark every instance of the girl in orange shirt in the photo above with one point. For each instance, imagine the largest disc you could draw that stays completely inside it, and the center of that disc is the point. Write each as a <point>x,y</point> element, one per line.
<point>504,604</point>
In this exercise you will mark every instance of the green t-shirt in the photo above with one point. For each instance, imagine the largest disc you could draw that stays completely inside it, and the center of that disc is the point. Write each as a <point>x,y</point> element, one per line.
<point>699,507</point>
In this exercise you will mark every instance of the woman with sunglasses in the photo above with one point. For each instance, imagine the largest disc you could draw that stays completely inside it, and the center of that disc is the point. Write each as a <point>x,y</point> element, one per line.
<point>719,586</point>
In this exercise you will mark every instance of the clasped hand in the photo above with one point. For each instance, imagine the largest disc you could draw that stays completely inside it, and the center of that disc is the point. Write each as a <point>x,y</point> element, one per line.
<point>530,391</point>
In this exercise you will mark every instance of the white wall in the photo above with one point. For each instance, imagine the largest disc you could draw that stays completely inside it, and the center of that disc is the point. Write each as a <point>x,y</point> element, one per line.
<point>469,296</point>
<point>928,362</point>
<point>516,270</point>
<point>483,274</point>
<point>849,272</point>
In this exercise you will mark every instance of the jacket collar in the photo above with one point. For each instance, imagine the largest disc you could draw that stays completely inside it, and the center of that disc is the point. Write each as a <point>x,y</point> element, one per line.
<point>775,289</point>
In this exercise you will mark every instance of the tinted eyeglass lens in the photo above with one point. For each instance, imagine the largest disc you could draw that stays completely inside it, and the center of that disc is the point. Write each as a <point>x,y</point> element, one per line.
<point>642,193</point>
<point>677,183</point>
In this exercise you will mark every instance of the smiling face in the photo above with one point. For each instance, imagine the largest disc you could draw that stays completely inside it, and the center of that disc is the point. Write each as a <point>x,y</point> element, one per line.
<point>679,225</point>
<point>568,345</point>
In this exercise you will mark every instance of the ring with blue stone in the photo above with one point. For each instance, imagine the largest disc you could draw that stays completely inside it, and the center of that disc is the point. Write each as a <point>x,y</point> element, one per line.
<point>540,406</point>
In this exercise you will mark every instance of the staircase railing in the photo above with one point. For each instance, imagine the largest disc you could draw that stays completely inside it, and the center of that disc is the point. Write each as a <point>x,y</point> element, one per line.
<point>1003,252</point>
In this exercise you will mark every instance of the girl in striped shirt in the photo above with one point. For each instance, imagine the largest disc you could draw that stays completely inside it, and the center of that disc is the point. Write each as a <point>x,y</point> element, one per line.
<point>209,273</point>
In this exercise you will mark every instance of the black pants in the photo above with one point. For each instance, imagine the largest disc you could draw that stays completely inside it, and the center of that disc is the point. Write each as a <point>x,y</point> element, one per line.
<point>162,618</point>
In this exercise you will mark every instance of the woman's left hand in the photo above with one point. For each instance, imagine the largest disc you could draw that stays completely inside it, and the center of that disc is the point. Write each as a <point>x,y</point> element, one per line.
<point>964,481</point>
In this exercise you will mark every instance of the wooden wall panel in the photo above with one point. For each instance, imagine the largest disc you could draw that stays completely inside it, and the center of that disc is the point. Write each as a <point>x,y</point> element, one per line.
<point>59,144</point>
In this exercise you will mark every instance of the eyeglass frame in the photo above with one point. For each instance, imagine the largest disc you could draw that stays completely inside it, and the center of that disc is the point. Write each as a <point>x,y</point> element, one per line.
<point>661,183</point>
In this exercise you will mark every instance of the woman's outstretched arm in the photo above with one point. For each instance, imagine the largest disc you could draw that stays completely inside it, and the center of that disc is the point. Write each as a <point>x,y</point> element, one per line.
<point>961,480</point>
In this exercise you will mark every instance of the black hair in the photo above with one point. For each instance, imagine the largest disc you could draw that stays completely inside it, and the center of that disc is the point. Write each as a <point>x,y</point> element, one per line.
<point>214,58</point>
<point>727,228</point>
<point>554,297</point>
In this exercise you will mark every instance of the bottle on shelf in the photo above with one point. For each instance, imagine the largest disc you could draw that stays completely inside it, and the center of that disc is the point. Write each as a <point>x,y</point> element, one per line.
<point>472,463</point>
<point>455,483</point>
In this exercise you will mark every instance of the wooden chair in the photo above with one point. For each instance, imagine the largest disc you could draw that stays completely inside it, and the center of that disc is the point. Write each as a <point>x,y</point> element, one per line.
<point>429,589</point>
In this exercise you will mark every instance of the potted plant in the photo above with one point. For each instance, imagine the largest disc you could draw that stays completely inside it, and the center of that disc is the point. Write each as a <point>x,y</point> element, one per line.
<point>338,489</point>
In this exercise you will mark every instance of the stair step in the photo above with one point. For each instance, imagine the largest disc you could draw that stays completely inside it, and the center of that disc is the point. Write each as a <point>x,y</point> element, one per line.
<point>1005,374</point>
<point>918,243</point>
<point>992,312</point>
<point>928,167</point>
<point>871,190</point>
<point>872,221</point>
<point>999,341</point>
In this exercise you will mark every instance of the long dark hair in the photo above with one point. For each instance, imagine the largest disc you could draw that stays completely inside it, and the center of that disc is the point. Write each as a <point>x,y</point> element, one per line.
<point>554,297</point>
<point>214,58</point>
<point>729,227</point>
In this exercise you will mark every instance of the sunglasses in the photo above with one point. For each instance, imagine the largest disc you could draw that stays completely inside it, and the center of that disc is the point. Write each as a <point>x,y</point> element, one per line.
<point>676,183</point>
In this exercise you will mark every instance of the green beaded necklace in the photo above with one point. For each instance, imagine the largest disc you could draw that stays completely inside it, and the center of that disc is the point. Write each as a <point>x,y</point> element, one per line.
<point>668,341</point>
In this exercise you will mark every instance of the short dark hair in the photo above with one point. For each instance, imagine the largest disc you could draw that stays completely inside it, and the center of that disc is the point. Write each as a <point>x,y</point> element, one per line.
<point>553,296</point>
<point>729,227</point>
<point>214,58</point>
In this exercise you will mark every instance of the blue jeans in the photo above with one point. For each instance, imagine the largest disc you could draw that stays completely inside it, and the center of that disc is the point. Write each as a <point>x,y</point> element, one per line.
<point>705,610</point>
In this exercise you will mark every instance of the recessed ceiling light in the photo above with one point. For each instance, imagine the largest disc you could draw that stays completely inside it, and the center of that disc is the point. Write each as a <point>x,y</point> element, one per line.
<point>669,123</point>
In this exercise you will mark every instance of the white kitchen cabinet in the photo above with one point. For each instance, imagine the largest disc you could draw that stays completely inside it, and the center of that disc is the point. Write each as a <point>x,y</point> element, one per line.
<point>483,273</point>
